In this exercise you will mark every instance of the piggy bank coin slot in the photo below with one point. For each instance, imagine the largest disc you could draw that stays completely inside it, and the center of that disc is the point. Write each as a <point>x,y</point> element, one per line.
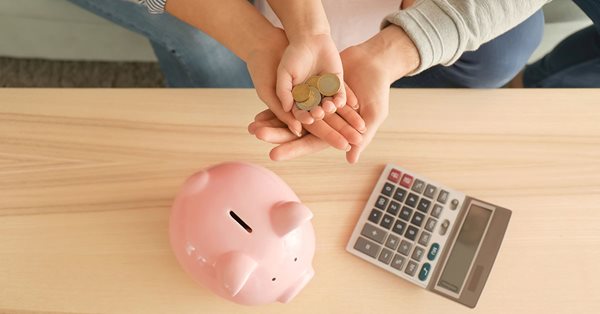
<point>240,221</point>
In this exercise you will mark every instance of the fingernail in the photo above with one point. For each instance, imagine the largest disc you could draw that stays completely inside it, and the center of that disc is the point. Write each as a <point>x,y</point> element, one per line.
<point>348,148</point>
<point>363,130</point>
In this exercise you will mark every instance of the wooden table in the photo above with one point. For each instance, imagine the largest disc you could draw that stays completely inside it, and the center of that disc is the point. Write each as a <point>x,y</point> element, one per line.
<point>87,178</point>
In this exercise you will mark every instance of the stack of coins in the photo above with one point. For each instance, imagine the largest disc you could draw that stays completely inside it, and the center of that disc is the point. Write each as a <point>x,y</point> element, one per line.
<point>309,94</point>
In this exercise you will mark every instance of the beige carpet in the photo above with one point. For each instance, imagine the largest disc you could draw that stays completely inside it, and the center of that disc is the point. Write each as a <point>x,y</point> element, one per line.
<point>16,72</point>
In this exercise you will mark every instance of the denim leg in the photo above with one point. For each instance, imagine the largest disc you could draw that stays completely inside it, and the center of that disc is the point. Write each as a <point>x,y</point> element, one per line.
<point>575,61</point>
<point>187,56</point>
<point>492,65</point>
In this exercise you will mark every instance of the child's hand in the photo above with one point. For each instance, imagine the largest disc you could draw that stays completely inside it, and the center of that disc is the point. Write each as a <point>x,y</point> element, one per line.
<point>304,57</point>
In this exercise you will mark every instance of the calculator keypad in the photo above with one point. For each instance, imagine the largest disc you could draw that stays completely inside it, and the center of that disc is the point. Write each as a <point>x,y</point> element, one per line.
<point>399,229</point>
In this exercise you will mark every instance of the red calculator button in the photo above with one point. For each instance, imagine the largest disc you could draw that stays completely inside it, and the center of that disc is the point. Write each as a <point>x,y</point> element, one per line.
<point>406,181</point>
<point>394,175</point>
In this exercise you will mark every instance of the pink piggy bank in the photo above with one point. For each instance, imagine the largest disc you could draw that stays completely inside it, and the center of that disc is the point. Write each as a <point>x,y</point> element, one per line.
<point>240,230</point>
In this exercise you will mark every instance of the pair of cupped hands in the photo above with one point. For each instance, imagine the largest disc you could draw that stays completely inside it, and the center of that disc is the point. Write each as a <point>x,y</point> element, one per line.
<point>347,121</point>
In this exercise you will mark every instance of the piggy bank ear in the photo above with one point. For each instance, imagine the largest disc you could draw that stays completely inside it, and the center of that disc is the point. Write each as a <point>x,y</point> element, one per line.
<point>197,181</point>
<point>233,270</point>
<point>287,216</point>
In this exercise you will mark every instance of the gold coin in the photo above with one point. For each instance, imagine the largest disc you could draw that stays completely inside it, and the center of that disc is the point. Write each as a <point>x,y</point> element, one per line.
<point>312,81</point>
<point>328,84</point>
<point>314,99</point>
<point>301,92</point>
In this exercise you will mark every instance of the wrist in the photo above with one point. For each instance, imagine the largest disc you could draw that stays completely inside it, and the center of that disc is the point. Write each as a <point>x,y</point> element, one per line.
<point>301,19</point>
<point>394,50</point>
<point>270,39</point>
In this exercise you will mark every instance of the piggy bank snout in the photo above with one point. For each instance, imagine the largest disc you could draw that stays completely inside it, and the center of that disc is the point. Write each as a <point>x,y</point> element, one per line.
<point>296,287</point>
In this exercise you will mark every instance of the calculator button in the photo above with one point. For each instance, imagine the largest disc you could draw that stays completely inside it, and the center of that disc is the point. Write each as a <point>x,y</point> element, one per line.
<point>411,233</point>
<point>443,197</point>
<point>406,181</point>
<point>399,227</point>
<point>367,247</point>
<point>393,208</point>
<point>411,268</point>
<point>405,213</point>
<point>412,200</point>
<point>424,238</point>
<point>373,233</point>
<point>418,186</point>
<point>418,253</point>
<point>388,189</point>
<point>430,225</point>
<point>424,205</point>
<point>381,202</point>
<point>397,262</point>
<point>374,216</point>
<point>417,219</point>
<point>404,247</point>
<point>454,204</point>
<point>394,175</point>
<point>385,256</point>
<point>392,242</point>
<point>444,227</point>
<point>437,210</point>
<point>433,251</point>
<point>400,194</point>
<point>424,272</point>
<point>430,191</point>
<point>387,221</point>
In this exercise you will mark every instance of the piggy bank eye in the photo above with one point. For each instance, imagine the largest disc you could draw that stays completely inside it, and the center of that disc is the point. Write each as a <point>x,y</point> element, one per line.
<point>295,259</point>
<point>273,279</point>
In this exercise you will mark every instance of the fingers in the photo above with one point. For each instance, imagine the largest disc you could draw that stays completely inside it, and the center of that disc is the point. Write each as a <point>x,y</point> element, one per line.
<point>303,146</point>
<point>343,128</point>
<point>325,132</point>
<point>283,89</point>
<point>351,99</point>
<point>317,113</point>
<point>275,135</point>
<point>266,114</point>
<point>374,116</point>
<point>328,105</point>
<point>353,118</point>
<point>273,123</point>
<point>303,116</point>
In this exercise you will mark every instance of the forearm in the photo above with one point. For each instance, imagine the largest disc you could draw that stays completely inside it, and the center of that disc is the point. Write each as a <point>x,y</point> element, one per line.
<point>234,23</point>
<point>301,18</point>
<point>443,30</point>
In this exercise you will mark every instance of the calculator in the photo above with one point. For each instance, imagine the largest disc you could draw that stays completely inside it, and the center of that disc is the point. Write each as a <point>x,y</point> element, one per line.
<point>433,236</point>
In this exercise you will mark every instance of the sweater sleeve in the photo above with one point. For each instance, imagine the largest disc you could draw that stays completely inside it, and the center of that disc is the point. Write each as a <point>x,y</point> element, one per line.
<point>154,6</point>
<point>443,29</point>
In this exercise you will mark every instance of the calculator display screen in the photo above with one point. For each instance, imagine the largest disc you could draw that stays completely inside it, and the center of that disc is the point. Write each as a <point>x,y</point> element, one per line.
<point>465,247</point>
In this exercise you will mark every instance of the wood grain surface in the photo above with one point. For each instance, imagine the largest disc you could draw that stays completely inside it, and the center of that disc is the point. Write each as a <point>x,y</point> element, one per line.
<point>87,178</point>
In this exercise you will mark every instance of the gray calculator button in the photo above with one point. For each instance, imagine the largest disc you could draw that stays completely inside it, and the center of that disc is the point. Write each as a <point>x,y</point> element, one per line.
<point>397,262</point>
<point>381,202</point>
<point>392,242</point>
<point>454,204</point>
<point>443,197</point>
<point>411,268</point>
<point>437,210</point>
<point>388,189</point>
<point>412,200</point>
<point>417,219</point>
<point>393,208</point>
<point>387,221</point>
<point>400,194</point>
<point>430,190</point>
<point>444,227</point>
<point>373,233</point>
<point>424,238</point>
<point>367,247</point>
<point>418,186</point>
<point>424,205</point>
<point>404,247</point>
<point>430,225</point>
<point>411,232</point>
<point>375,216</point>
<point>385,256</point>
<point>418,253</point>
<point>405,213</point>
<point>399,227</point>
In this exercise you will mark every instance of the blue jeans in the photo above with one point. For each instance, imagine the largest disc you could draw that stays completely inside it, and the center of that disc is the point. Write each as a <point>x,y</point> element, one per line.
<point>574,62</point>
<point>190,58</point>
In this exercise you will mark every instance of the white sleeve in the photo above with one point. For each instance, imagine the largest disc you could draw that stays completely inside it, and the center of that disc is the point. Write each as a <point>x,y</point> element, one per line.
<point>443,29</point>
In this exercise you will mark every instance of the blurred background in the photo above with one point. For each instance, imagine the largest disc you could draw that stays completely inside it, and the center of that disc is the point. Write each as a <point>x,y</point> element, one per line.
<point>53,43</point>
